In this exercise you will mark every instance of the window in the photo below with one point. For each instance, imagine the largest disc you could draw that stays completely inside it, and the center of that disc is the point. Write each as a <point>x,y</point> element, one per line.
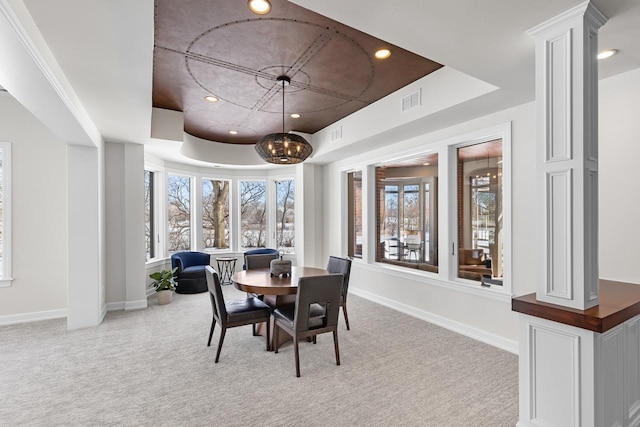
<point>407,229</point>
<point>285,215</point>
<point>5,214</point>
<point>215,214</point>
<point>179,213</point>
<point>253,207</point>
<point>354,197</point>
<point>480,213</point>
<point>149,231</point>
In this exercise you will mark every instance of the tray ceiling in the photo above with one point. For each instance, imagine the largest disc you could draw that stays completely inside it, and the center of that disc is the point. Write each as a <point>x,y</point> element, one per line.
<point>220,48</point>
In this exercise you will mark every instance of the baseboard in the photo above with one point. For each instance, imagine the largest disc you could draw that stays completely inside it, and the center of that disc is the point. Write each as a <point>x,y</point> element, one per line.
<point>469,331</point>
<point>127,305</point>
<point>33,317</point>
<point>135,305</point>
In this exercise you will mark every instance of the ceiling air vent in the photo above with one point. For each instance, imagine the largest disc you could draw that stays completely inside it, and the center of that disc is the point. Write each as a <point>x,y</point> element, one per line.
<point>336,133</point>
<point>411,101</point>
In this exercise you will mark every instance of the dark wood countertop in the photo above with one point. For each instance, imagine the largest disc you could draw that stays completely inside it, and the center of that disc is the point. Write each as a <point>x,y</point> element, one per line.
<point>619,302</point>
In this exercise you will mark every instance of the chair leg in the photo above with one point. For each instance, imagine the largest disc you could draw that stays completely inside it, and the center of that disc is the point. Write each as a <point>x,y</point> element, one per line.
<point>314,339</point>
<point>295,350</point>
<point>222,332</point>
<point>213,325</point>
<point>335,343</point>
<point>275,338</point>
<point>346,317</point>
<point>268,334</point>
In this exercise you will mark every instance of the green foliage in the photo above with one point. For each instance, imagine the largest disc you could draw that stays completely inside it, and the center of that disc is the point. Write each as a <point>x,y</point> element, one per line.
<point>163,280</point>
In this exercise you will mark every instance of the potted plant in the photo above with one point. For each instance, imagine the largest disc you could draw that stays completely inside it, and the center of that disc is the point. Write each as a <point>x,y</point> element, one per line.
<point>164,284</point>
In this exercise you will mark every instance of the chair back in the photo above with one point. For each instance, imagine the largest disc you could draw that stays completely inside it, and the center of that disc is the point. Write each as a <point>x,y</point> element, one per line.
<point>342,266</point>
<point>215,294</point>
<point>186,259</point>
<point>259,251</point>
<point>323,290</point>
<point>259,261</point>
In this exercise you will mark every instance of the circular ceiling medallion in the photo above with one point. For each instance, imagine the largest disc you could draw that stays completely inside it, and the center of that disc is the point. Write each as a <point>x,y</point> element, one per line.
<point>300,79</point>
<point>240,70</point>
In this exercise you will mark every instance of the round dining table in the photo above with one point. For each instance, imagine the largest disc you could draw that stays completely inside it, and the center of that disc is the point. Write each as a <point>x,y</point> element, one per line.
<point>260,281</point>
<point>277,291</point>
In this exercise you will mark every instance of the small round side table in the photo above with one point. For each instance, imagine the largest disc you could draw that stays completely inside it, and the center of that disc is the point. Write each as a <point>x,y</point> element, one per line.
<point>226,268</point>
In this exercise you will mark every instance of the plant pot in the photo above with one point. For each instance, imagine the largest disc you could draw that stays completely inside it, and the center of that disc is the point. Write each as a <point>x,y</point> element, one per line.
<point>165,297</point>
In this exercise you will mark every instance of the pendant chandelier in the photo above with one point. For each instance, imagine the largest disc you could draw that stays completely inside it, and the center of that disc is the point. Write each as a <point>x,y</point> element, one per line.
<point>283,148</point>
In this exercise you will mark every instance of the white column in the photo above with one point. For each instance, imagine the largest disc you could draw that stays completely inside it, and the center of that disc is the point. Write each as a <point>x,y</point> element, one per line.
<point>571,376</point>
<point>133,214</point>
<point>567,138</point>
<point>308,215</point>
<point>84,293</point>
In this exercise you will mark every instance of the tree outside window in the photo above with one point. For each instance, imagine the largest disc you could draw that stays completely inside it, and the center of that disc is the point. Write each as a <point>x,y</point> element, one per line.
<point>215,214</point>
<point>285,215</point>
<point>253,207</point>
<point>179,213</point>
<point>149,215</point>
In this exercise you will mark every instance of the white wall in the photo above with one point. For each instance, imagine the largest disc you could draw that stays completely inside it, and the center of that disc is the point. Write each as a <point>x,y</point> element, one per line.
<point>619,174</point>
<point>484,315</point>
<point>39,161</point>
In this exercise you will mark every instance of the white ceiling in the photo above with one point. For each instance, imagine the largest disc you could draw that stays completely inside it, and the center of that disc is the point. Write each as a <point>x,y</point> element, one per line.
<point>105,49</point>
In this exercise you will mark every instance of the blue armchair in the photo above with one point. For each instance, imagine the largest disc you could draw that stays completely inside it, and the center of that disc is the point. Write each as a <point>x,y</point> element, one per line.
<point>190,274</point>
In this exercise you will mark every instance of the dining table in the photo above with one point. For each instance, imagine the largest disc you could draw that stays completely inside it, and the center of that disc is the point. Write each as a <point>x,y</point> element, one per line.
<point>278,291</point>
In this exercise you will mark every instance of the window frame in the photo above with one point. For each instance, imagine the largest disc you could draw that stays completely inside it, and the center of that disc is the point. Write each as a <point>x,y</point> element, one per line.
<point>193,221</point>
<point>352,243</point>
<point>446,207</point>
<point>502,132</point>
<point>6,278</point>
<point>200,218</point>
<point>265,181</point>
<point>272,210</point>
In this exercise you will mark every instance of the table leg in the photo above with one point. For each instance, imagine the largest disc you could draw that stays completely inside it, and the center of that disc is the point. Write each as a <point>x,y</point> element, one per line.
<point>276,301</point>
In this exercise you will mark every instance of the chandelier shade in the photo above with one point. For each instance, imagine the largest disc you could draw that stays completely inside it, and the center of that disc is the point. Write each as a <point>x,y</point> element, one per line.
<point>283,148</point>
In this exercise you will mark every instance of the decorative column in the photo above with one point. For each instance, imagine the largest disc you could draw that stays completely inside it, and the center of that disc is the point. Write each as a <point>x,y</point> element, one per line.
<point>567,163</point>
<point>579,336</point>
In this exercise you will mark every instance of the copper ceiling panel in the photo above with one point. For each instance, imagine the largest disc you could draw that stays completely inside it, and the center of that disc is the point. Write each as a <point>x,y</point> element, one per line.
<point>220,48</point>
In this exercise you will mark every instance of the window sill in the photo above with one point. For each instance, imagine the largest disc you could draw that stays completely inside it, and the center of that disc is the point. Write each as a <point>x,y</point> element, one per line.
<point>467,286</point>
<point>6,283</point>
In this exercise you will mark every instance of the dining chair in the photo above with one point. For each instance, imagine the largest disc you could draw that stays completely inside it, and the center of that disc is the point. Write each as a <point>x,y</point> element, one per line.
<point>259,261</point>
<point>258,251</point>
<point>342,266</point>
<point>230,314</point>
<point>255,261</point>
<point>315,312</point>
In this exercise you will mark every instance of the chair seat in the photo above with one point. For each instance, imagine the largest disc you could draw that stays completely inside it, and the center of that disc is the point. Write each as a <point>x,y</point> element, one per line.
<point>247,309</point>
<point>287,314</point>
<point>193,272</point>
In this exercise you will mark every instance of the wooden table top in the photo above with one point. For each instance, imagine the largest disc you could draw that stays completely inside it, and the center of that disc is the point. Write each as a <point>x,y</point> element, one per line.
<point>259,281</point>
<point>619,302</point>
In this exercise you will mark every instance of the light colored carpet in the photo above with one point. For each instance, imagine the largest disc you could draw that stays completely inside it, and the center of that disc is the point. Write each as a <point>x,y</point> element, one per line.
<point>152,367</point>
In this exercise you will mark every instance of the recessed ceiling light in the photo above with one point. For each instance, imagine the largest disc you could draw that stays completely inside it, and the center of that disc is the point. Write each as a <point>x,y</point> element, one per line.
<point>261,7</point>
<point>607,53</point>
<point>382,53</point>
<point>295,116</point>
<point>233,132</point>
<point>426,164</point>
<point>211,98</point>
